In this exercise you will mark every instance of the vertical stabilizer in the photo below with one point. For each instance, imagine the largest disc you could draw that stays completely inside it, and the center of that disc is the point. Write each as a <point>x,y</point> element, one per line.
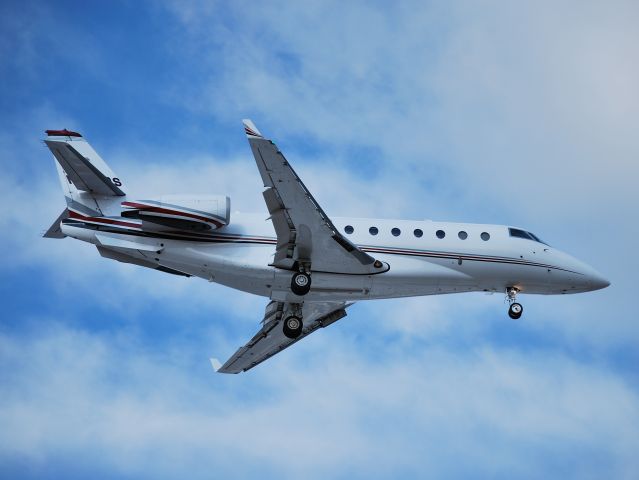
<point>88,183</point>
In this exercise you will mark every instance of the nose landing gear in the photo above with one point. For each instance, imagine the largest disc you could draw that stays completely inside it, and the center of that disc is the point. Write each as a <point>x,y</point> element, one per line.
<point>515,309</point>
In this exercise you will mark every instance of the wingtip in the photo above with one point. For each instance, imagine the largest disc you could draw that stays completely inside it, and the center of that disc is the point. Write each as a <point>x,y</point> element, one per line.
<point>216,364</point>
<point>250,129</point>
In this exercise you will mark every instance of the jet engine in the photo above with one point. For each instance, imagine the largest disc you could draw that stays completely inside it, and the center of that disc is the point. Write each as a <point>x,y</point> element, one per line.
<point>180,212</point>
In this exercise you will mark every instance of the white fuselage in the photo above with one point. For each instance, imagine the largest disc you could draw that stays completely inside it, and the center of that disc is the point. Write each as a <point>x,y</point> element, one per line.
<point>487,258</point>
<point>312,267</point>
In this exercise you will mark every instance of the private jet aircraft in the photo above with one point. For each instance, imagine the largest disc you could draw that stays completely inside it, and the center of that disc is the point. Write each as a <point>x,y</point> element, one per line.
<point>311,267</point>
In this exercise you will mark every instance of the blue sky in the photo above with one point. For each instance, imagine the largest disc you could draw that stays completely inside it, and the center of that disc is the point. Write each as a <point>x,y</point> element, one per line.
<point>487,112</point>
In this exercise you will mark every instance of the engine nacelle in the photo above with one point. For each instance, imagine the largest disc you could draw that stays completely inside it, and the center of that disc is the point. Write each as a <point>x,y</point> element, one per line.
<point>181,212</point>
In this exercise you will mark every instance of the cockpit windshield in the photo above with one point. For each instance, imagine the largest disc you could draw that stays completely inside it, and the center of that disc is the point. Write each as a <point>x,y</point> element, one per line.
<point>515,232</point>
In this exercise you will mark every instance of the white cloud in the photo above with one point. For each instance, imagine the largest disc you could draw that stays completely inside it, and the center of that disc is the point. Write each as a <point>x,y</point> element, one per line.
<point>71,394</point>
<point>508,104</point>
<point>28,208</point>
<point>481,112</point>
<point>486,112</point>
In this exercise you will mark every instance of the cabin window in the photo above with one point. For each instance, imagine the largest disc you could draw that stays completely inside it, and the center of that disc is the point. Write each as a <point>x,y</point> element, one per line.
<point>418,233</point>
<point>396,232</point>
<point>440,234</point>
<point>485,236</point>
<point>373,231</point>
<point>462,235</point>
<point>349,229</point>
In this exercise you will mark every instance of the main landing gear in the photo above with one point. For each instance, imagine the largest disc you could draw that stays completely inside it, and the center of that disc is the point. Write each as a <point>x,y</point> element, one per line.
<point>293,326</point>
<point>515,309</point>
<point>301,283</point>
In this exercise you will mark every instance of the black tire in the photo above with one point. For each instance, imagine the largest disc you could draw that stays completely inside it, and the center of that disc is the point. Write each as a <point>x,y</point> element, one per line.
<point>301,284</point>
<point>515,310</point>
<point>293,326</point>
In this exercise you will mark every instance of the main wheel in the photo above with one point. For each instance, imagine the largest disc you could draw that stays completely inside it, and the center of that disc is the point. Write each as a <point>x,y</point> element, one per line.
<point>515,310</point>
<point>293,326</point>
<point>301,283</point>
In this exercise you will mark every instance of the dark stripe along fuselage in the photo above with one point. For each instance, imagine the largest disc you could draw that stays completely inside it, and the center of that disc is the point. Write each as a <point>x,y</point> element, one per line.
<point>217,238</point>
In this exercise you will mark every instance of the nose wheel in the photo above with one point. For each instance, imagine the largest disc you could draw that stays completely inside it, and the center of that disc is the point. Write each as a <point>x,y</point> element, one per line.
<point>515,309</point>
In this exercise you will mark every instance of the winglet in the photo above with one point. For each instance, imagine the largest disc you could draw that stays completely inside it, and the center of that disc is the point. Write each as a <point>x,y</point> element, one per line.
<point>250,129</point>
<point>215,363</point>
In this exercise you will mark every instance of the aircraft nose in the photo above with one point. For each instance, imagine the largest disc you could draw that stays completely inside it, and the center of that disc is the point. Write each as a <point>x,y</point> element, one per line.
<point>597,282</point>
<point>594,279</point>
<point>583,278</point>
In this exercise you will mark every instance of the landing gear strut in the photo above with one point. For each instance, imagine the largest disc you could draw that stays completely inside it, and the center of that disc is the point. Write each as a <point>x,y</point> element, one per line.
<point>301,283</point>
<point>515,309</point>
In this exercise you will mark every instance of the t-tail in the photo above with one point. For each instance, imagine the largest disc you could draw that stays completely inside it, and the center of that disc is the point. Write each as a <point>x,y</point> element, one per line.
<point>91,189</point>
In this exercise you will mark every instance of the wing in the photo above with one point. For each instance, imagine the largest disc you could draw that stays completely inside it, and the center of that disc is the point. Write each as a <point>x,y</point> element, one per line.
<point>304,232</point>
<point>271,340</point>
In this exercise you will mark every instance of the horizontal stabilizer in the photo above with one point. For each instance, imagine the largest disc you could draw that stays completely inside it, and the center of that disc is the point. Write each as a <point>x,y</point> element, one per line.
<point>62,133</point>
<point>54,230</point>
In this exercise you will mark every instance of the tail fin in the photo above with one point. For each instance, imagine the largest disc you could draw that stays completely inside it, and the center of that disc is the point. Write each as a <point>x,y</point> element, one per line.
<point>88,183</point>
